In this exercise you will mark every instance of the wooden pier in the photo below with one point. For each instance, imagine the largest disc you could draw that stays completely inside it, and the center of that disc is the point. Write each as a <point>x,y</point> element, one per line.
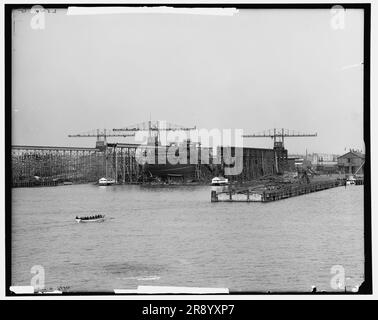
<point>359,181</point>
<point>270,193</point>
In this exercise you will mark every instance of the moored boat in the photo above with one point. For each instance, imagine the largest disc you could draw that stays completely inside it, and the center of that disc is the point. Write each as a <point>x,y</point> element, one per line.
<point>106,182</point>
<point>350,180</point>
<point>219,181</point>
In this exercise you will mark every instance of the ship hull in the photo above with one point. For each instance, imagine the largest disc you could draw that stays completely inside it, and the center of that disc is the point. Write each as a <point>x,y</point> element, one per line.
<point>166,170</point>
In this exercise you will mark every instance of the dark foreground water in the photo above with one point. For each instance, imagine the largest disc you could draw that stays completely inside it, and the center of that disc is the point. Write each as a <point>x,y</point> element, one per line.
<point>175,236</point>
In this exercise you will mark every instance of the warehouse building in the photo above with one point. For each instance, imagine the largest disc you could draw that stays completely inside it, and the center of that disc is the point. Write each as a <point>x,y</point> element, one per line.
<point>351,162</point>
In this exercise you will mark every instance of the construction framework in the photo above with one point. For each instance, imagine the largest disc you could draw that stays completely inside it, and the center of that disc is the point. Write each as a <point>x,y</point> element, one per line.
<point>48,165</point>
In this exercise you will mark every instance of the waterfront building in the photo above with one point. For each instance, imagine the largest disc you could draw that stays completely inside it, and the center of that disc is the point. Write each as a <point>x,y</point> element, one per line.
<point>351,162</point>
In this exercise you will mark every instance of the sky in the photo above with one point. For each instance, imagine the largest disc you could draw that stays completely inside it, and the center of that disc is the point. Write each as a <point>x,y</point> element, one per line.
<point>255,70</point>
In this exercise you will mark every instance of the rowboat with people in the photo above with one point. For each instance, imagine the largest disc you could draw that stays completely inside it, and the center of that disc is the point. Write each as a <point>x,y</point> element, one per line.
<point>95,218</point>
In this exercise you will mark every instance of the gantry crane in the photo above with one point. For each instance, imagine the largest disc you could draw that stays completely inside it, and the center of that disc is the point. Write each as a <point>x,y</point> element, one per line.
<point>278,135</point>
<point>154,128</point>
<point>101,143</point>
<point>101,136</point>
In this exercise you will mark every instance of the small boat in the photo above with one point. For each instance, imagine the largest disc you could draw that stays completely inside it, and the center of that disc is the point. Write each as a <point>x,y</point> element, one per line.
<point>106,182</point>
<point>219,181</point>
<point>95,218</point>
<point>350,180</point>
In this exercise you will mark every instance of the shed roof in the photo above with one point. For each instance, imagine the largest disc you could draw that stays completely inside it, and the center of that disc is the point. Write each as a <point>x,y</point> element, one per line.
<point>353,154</point>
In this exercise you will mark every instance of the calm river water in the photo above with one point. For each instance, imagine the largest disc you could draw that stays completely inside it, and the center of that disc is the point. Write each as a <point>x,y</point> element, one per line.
<point>174,236</point>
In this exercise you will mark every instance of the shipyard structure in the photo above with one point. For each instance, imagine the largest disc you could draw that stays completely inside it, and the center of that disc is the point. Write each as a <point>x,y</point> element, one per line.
<point>47,165</point>
<point>154,161</point>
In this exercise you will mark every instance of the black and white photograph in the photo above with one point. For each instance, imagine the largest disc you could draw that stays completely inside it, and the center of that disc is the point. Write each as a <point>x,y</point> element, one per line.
<point>213,149</point>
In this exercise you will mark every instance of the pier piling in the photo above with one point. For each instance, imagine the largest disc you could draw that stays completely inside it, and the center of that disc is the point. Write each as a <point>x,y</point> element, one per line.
<point>270,193</point>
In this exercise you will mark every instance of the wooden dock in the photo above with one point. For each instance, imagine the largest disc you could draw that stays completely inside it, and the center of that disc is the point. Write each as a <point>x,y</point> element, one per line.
<point>270,193</point>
